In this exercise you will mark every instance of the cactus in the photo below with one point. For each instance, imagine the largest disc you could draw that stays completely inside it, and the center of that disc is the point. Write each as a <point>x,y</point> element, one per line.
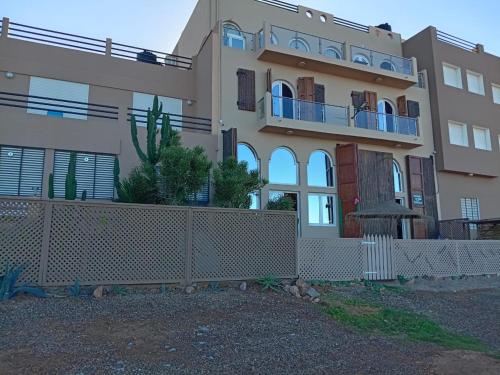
<point>168,136</point>
<point>70,183</point>
<point>84,195</point>
<point>51,186</point>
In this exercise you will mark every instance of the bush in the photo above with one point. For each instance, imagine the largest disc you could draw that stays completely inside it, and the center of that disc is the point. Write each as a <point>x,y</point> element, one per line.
<point>140,187</point>
<point>282,203</point>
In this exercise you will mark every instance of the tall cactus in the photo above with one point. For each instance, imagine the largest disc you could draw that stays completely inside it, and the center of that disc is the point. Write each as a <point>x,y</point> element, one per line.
<point>51,186</point>
<point>70,183</point>
<point>168,136</point>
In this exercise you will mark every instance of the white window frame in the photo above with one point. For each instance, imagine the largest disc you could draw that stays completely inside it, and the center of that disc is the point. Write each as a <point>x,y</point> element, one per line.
<point>458,74</point>
<point>488,137</point>
<point>323,200</point>
<point>465,132</point>
<point>495,92</point>
<point>470,74</point>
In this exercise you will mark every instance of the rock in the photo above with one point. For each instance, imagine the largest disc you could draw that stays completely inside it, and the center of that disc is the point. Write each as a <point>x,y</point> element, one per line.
<point>243,286</point>
<point>306,298</point>
<point>316,300</point>
<point>286,288</point>
<point>302,285</point>
<point>203,329</point>
<point>190,289</point>
<point>294,290</point>
<point>98,292</point>
<point>120,366</point>
<point>313,293</point>
<point>172,350</point>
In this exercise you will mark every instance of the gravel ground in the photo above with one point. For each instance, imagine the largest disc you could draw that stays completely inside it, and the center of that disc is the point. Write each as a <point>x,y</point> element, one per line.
<point>223,332</point>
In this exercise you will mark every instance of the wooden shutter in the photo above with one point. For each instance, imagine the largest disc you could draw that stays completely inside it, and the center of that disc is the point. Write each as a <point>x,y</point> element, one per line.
<point>348,189</point>
<point>229,143</point>
<point>413,108</point>
<point>416,194</point>
<point>358,99</point>
<point>319,98</point>
<point>246,89</point>
<point>430,199</point>
<point>269,80</point>
<point>371,106</point>
<point>305,89</point>
<point>402,109</point>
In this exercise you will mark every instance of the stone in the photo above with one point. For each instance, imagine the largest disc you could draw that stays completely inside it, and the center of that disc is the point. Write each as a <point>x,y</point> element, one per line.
<point>306,298</point>
<point>316,300</point>
<point>243,286</point>
<point>313,293</point>
<point>120,366</point>
<point>172,350</point>
<point>98,292</point>
<point>302,285</point>
<point>286,288</point>
<point>190,289</point>
<point>294,290</point>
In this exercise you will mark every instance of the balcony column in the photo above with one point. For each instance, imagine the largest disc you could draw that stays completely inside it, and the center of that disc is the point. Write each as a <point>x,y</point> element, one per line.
<point>347,51</point>
<point>267,35</point>
<point>5,27</point>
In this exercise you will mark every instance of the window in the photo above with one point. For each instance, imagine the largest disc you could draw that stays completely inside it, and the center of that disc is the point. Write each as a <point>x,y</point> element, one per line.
<point>233,37</point>
<point>398,177</point>
<point>452,76</point>
<point>245,153</point>
<point>299,44</point>
<point>361,59</point>
<point>387,65</point>
<point>142,102</point>
<point>282,167</point>
<point>54,96</point>
<point>21,171</point>
<point>386,118</point>
<point>274,195</point>
<point>333,53</point>
<point>496,93</point>
<point>321,209</point>
<point>482,139</point>
<point>94,173</point>
<point>458,134</point>
<point>320,170</point>
<point>475,82</point>
<point>470,208</point>
<point>283,102</point>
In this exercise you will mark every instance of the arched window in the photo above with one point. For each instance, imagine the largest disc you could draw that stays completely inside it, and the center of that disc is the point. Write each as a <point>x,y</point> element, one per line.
<point>361,59</point>
<point>247,154</point>
<point>333,52</point>
<point>387,65</point>
<point>233,37</point>
<point>386,116</point>
<point>320,170</point>
<point>299,44</point>
<point>283,103</point>
<point>282,167</point>
<point>398,177</point>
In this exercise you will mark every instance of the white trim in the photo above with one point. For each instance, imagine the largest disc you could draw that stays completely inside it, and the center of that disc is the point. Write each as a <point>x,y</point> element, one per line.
<point>487,136</point>
<point>457,72</point>
<point>480,82</point>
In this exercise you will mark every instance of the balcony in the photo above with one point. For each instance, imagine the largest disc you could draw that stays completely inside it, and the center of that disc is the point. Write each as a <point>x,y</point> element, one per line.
<point>292,48</point>
<point>311,119</point>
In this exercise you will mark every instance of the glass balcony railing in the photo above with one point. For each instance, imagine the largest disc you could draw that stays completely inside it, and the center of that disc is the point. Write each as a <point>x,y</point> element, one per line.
<point>381,60</point>
<point>305,43</point>
<point>296,109</point>
<point>386,123</point>
<point>234,38</point>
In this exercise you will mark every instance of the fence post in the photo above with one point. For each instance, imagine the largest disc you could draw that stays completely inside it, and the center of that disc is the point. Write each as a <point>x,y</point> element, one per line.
<point>189,246</point>
<point>5,28</point>
<point>44,257</point>
<point>109,45</point>
<point>459,271</point>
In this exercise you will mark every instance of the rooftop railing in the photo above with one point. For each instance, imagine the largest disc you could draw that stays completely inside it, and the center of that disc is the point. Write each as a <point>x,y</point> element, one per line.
<point>456,41</point>
<point>381,60</point>
<point>178,121</point>
<point>58,107</point>
<point>295,109</point>
<point>307,43</point>
<point>386,123</point>
<point>281,4</point>
<point>100,46</point>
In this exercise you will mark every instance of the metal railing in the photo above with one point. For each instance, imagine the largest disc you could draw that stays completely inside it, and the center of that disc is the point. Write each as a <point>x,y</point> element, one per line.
<point>150,56</point>
<point>57,107</point>
<point>307,43</point>
<point>381,60</point>
<point>456,41</point>
<point>178,121</point>
<point>281,5</point>
<point>386,123</point>
<point>238,39</point>
<point>296,109</point>
<point>351,25</point>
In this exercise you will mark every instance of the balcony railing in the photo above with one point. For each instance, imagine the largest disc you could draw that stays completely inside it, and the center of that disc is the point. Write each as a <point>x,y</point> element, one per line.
<point>386,123</point>
<point>149,56</point>
<point>295,109</point>
<point>381,60</point>
<point>238,39</point>
<point>178,121</point>
<point>58,107</point>
<point>305,43</point>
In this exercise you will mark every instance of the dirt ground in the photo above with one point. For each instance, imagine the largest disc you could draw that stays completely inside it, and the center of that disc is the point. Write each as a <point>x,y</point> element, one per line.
<point>228,331</point>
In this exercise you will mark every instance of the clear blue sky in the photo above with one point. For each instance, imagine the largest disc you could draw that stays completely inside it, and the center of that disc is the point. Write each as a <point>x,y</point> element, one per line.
<point>157,24</point>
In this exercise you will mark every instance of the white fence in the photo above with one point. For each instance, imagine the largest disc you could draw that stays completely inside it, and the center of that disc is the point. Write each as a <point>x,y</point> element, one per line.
<point>382,258</point>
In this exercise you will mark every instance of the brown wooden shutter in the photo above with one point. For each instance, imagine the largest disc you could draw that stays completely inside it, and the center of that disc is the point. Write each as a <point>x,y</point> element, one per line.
<point>371,101</point>
<point>229,144</point>
<point>246,89</point>
<point>319,98</point>
<point>416,194</point>
<point>358,99</point>
<point>269,80</point>
<point>305,90</point>
<point>402,109</point>
<point>348,189</point>
<point>413,108</point>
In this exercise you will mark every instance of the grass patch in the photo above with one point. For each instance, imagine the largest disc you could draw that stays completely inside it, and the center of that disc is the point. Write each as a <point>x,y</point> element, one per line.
<point>394,322</point>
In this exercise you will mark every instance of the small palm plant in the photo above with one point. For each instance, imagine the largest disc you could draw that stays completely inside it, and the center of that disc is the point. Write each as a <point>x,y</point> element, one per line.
<point>269,282</point>
<point>8,281</point>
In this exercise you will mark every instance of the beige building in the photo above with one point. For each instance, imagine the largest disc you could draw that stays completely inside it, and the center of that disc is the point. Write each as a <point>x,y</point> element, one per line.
<point>464,85</point>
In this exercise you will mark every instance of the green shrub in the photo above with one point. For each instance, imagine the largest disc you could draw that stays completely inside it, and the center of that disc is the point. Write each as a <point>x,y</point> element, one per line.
<point>282,203</point>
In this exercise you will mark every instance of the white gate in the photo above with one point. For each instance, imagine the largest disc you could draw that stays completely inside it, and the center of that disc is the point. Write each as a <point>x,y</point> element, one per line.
<point>378,261</point>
